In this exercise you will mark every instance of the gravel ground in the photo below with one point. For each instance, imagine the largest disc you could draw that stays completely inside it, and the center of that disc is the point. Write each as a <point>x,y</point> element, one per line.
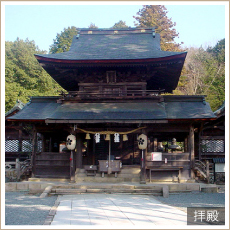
<point>24,209</point>
<point>194,199</point>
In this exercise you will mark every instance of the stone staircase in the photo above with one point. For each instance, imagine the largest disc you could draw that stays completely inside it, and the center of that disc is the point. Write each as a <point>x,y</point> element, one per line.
<point>127,174</point>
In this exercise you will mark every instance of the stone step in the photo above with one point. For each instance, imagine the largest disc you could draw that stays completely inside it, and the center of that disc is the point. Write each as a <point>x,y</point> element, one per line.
<point>63,191</point>
<point>126,175</point>
<point>33,179</point>
<point>179,191</point>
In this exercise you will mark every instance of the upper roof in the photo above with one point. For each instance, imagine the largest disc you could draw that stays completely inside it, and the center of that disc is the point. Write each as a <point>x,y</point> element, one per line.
<point>112,44</point>
<point>172,108</point>
<point>116,50</point>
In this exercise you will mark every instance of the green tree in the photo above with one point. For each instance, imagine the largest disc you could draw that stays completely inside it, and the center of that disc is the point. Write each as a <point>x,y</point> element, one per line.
<point>156,16</point>
<point>218,51</point>
<point>24,76</point>
<point>63,41</point>
<point>92,26</point>
<point>205,74</point>
<point>119,25</point>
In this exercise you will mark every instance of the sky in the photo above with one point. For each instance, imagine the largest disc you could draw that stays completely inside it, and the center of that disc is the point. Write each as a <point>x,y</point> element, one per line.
<point>198,25</point>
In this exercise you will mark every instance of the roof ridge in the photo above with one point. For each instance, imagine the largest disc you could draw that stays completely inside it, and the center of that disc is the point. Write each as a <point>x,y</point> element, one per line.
<point>94,31</point>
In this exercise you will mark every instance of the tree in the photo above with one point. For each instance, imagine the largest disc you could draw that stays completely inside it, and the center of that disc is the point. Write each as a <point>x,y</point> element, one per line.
<point>205,74</point>
<point>92,26</point>
<point>63,40</point>
<point>119,25</point>
<point>24,76</point>
<point>218,51</point>
<point>156,16</point>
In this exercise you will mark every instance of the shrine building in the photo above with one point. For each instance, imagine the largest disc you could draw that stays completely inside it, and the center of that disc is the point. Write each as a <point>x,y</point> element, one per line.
<point>117,119</point>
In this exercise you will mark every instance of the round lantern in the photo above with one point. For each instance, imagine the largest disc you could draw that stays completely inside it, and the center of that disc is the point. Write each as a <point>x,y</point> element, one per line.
<point>142,141</point>
<point>71,142</point>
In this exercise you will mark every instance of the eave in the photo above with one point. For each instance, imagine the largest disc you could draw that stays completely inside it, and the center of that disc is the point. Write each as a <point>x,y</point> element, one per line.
<point>109,61</point>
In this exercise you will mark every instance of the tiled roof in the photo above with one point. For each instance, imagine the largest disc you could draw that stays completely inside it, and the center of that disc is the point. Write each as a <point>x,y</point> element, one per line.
<point>221,110</point>
<point>17,107</point>
<point>47,108</point>
<point>114,44</point>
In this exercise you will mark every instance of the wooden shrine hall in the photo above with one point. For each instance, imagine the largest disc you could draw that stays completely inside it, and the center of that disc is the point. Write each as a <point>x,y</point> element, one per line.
<point>115,112</point>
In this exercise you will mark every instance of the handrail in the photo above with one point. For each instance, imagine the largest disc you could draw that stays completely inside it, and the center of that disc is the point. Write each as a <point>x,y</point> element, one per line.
<point>204,169</point>
<point>23,167</point>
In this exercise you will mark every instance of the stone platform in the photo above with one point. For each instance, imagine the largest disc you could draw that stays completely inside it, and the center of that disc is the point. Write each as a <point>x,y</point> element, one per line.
<point>64,187</point>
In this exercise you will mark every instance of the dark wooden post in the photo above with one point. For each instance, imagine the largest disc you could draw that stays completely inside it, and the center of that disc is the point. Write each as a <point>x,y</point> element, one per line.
<point>79,152</point>
<point>200,134</point>
<point>186,145</point>
<point>72,171</point>
<point>191,151</point>
<point>143,170</point>
<point>34,150</point>
<point>50,145</point>
<point>155,145</point>
<point>143,163</point>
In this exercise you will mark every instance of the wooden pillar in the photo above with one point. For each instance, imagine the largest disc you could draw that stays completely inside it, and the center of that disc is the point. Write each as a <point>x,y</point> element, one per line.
<point>50,145</point>
<point>34,150</point>
<point>192,151</point>
<point>186,145</point>
<point>200,135</point>
<point>143,168</point>
<point>79,152</point>
<point>155,145</point>
<point>143,163</point>
<point>72,171</point>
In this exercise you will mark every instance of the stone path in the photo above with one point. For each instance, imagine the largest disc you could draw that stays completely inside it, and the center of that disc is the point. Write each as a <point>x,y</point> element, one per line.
<point>116,210</point>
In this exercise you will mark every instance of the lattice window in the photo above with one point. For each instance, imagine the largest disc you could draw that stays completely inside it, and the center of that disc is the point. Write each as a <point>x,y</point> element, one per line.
<point>12,146</point>
<point>27,146</point>
<point>212,146</point>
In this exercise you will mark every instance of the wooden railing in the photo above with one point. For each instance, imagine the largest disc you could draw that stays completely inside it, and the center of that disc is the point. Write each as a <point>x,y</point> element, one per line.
<point>205,169</point>
<point>112,94</point>
<point>21,167</point>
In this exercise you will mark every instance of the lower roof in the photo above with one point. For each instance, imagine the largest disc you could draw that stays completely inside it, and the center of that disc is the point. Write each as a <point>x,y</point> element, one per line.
<point>172,108</point>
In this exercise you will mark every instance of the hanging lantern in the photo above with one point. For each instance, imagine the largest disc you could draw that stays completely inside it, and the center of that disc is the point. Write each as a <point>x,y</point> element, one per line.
<point>107,137</point>
<point>116,137</point>
<point>142,141</point>
<point>125,137</point>
<point>71,142</point>
<point>87,137</point>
